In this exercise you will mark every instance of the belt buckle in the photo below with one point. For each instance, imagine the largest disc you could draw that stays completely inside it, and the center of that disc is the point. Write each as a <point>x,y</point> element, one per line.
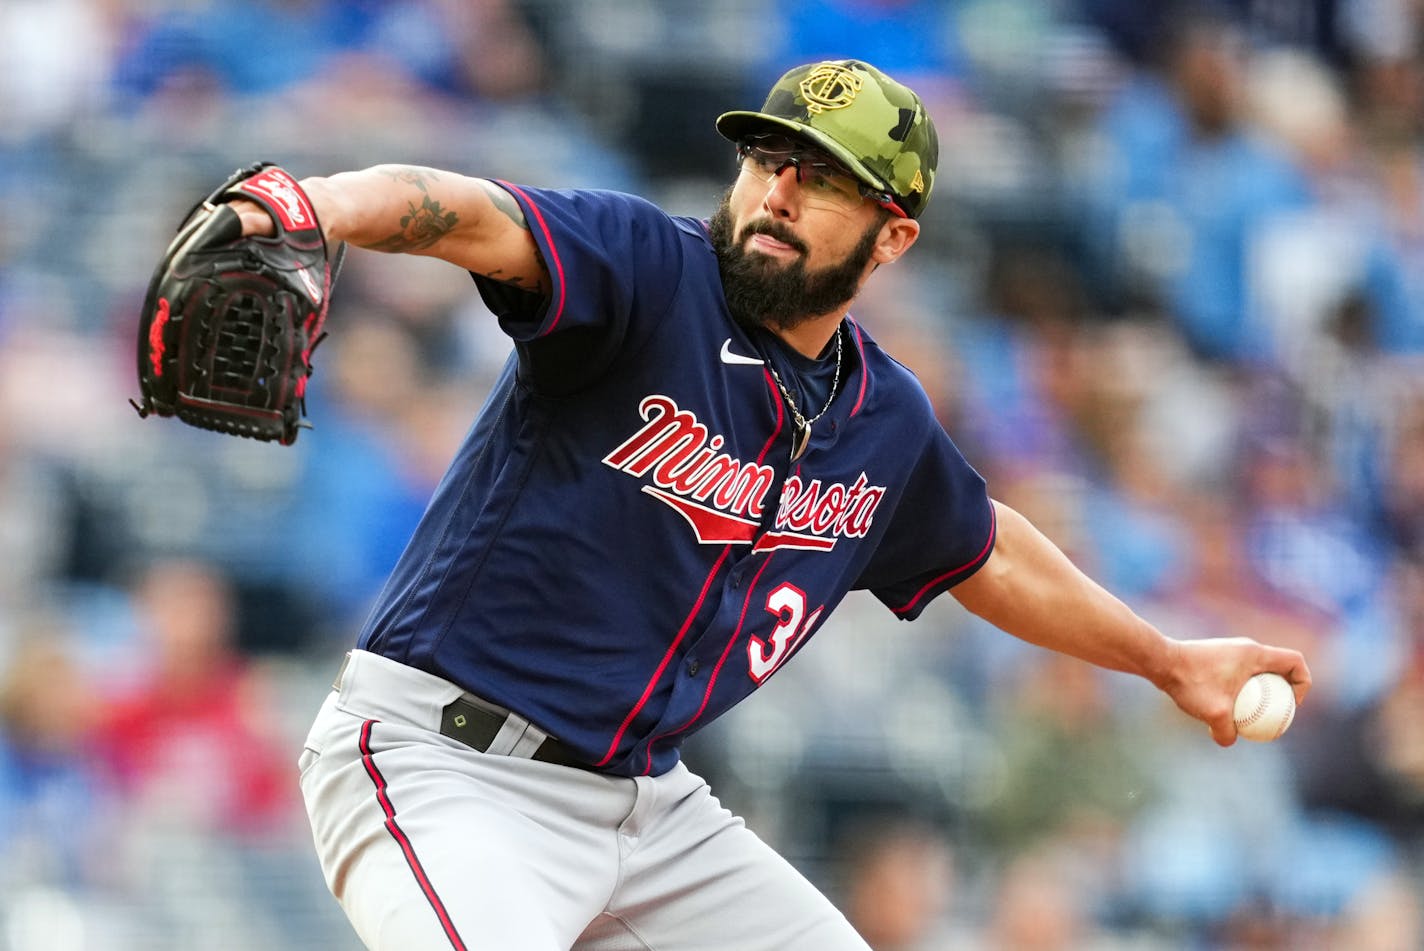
<point>473,722</point>
<point>470,723</point>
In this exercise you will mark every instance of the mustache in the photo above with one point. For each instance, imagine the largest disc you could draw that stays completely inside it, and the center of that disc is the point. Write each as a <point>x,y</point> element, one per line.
<point>773,229</point>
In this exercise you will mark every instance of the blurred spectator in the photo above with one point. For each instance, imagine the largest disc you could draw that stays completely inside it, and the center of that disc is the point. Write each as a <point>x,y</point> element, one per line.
<point>31,519</point>
<point>213,849</point>
<point>1021,360</point>
<point>1070,764</point>
<point>1303,544</point>
<point>54,60</point>
<point>481,50</point>
<point>184,495</point>
<point>200,711</point>
<point>916,41</point>
<point>1040,903</point>
<point>1218,591</point>
<point>374,457</point>
<point>56,807</point>
<point>907,320</point>
<point>631,71</point>
<point>1182,188</point>
<point>897,885</point>
<point>1327,279</point>
<point>1325,28</point>
<point>476,51</point>
<point>1386,915</point>
<point>1212,840</point>
<point>1402,489</point>
<point>1367,760</point>
<point>1131,505</point>
<point>245,48</point>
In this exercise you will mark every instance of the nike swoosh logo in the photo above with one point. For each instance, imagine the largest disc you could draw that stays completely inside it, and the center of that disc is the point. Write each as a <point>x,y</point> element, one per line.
<point>729,357</point>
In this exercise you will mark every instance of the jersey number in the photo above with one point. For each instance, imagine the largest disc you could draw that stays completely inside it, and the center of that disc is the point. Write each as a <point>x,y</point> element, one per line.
<point>788,603</point>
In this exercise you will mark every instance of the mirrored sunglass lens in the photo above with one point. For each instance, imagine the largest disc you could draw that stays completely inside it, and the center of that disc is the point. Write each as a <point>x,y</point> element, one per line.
<point>830,180</point>
<point>765,160</point>
<point>821,175</point>
<point>778,160</point>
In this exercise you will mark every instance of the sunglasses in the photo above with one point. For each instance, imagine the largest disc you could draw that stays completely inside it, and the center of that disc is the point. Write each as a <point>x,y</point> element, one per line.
<point>819,175</point>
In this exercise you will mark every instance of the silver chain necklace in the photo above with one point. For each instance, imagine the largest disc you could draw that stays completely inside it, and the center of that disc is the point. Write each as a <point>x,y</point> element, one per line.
<point>801,435</point>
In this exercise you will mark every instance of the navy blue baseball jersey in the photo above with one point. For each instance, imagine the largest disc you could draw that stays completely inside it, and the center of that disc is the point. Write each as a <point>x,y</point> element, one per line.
<point>623,547</point>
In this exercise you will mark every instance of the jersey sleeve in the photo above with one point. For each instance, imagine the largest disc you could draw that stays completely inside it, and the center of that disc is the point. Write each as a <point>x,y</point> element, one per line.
<point>941,532</point>
<point>614,263</point>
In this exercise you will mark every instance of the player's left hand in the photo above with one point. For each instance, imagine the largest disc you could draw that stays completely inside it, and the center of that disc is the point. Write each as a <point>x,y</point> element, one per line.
<point>1207,674</point>
<point>256,221</point>
<point>235,307</point>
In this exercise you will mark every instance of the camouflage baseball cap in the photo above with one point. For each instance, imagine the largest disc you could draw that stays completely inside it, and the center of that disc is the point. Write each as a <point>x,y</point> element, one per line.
<point>878,128</point>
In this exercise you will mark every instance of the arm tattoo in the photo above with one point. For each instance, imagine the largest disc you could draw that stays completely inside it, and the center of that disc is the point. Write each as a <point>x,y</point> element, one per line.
<point>535,286</point>
<point>426,223</point>
<point>411,175</point>
<point>506,204</point>
<point>423,224</point>
<point>420,228</point>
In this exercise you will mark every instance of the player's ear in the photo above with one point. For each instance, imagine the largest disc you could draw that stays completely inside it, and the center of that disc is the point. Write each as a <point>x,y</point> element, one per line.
<point>896,237</point>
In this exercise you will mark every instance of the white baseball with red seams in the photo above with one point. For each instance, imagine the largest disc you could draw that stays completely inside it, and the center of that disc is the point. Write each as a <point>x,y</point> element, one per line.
<point>1265,708</point>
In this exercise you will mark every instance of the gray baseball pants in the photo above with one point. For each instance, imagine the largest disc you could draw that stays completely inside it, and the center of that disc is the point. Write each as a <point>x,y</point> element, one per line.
<point>431,845</point>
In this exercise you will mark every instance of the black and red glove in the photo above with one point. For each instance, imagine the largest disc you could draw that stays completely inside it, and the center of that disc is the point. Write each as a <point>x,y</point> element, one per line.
<point>230,321</point>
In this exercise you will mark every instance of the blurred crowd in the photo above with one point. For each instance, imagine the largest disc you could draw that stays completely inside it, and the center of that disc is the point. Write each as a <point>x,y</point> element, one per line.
<point>1169,300</point>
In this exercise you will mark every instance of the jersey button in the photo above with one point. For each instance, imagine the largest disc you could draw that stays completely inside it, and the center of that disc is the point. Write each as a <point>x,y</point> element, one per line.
<point>693,666</point>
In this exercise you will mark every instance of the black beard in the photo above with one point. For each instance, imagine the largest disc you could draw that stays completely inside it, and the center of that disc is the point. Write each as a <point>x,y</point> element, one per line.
<point>761,292</point>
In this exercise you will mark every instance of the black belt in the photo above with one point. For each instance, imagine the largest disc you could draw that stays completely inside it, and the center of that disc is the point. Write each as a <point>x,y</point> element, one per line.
<point>477,726</point>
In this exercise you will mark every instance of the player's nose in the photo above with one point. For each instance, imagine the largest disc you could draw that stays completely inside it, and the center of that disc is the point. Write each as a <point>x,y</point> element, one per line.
<point>783,193</point>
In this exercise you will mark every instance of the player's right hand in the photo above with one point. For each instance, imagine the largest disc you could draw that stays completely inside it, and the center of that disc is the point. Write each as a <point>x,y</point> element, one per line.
<point>1209,672</point>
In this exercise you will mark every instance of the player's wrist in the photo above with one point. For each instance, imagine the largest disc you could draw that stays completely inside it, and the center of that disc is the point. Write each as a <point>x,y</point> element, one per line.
<point>326,202</point>
<point>1162,662</point>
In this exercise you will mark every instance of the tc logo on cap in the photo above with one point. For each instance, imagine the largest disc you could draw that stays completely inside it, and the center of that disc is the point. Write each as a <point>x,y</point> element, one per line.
<point>830,86</point>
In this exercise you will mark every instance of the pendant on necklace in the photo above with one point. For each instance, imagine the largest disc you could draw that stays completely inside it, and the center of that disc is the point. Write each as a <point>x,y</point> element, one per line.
<point>800,438</point>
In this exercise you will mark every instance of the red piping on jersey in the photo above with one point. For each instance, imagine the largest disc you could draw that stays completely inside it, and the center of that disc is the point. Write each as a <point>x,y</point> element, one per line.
<point>397,833</point>
<point>993,521</point>
<point>697,605</point>
<point>712,678</point>
<point>553,252</point>
<point>780,417</point>
<point>736,635</point>
<point>667,658</point>
<point>864,367</point>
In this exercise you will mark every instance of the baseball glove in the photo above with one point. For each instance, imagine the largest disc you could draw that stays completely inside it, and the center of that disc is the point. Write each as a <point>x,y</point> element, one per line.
<point>230,321</point>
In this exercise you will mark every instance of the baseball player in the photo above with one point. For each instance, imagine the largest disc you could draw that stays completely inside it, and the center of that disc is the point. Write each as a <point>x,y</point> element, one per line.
<point>691,456</point>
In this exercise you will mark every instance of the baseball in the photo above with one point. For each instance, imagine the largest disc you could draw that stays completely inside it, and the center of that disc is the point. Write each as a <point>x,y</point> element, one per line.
<point>1264,708</point>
